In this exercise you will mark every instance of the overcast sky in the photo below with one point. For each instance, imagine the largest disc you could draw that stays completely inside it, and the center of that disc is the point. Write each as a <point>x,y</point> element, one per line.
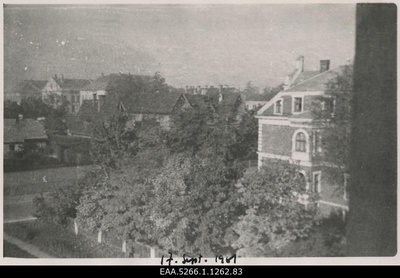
<point>188,44</point>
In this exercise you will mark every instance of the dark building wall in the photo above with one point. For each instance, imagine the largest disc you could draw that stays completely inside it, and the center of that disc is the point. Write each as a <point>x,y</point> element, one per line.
<point>372,226</point>
<point>277,139</point>
<point>287,105</point>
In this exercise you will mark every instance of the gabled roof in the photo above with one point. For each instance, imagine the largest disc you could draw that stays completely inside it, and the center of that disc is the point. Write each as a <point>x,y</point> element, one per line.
<point>72,84</point>
<point>113,81</point>
<point>26,129</point>
<point>30,86</point>
<point>228,103</point>
<point>151,103</point>
<point>198,101</point>
<point>304,75</point>
<point>82,123</point>
<point>316,82</point>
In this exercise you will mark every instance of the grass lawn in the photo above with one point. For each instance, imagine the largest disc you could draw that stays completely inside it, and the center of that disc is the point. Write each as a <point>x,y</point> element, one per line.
<point>59,242</point>
<point>13,251</point>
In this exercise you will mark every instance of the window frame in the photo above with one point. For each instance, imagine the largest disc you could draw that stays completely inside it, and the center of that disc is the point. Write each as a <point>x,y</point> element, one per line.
<point>319,174</point>
<point>346,179</point>
<point>294,104</point>
<point>275,106</point>
<point>303,141</point>
<point>299,155</point>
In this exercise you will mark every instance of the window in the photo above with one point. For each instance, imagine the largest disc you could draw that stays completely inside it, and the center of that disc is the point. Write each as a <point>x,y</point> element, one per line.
<point>316,186</point>
<point>298,104</point>
<point>278,106</point>
<point>317,148</point>
<point>301,142</point>
<point>346,181</point>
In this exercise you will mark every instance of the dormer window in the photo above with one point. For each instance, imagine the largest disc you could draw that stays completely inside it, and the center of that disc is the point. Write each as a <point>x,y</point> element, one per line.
<point>278,106</point>
<point>298,104</point>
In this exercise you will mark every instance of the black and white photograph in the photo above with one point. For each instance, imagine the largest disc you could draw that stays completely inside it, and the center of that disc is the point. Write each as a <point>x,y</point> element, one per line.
<point>199,133</point>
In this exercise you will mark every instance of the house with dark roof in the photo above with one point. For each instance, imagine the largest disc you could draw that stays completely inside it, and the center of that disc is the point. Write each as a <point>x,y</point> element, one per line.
<point>222,100</point>
<point>115,83</point>
<point>25,89</point>
<point>138,107</point>
<point>19,131</point>
<point>289,130</point>
<point>59,88</point>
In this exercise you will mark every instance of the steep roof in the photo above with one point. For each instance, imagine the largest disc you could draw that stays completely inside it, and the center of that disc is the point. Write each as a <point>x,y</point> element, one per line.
<point>113,81</point>
<point>198,101</point>
<point>82,123</point>
<point>151,103</point>
<point>228,103</point>
<point>22,130</point>
<point>72,84</point>
<point>30,86</point>
<point>304,75</point>
<point>316,82</point>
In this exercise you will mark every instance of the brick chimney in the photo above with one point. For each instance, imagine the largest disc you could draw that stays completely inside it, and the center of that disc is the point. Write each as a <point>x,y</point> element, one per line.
<point>324,65</point>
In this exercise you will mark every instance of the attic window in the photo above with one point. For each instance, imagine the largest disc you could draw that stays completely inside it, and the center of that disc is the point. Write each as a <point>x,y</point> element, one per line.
<point>278,106</point>
<point>298,104</point>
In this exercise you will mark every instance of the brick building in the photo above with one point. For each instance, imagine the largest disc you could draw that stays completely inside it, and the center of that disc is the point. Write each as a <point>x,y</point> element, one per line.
<point>289,130</point>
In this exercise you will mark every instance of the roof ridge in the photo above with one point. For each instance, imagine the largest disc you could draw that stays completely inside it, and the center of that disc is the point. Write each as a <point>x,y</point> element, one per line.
<point>313,77</point>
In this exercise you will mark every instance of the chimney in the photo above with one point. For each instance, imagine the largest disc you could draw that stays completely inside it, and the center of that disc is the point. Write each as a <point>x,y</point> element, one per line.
<point>55,76</point>
<point>324,65</point>
<point>300,63</point>
<point>221,87</point>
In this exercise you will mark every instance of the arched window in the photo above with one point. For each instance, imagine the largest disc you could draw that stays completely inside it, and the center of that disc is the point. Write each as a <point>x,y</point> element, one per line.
<point>301,142</point>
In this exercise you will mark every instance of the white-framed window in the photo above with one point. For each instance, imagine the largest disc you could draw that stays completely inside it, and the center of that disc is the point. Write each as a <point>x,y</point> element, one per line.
<point>298,104</point>
<point>346,182</point>
<point>300,145</point>
<point>278,107</point>
<point>316,182</point>
<point>301,142</point>
<point>317,142</point>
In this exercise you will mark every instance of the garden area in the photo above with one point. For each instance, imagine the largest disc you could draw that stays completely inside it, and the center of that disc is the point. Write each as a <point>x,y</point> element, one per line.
<point>56,241</point>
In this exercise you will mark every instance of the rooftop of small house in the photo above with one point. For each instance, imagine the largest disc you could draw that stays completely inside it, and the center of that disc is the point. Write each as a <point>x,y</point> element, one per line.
<point>113,81</point>
<point>71,83</point>
<point>19,130</point>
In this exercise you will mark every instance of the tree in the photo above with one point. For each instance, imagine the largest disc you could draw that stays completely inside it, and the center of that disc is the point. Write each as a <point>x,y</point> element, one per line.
<point>11,109</point>
<point>59,205</point>
<point>251,89</point>
<point>333,110</point>
<point>270,92</point>
<point>274,217</point>
<point>195,204</point>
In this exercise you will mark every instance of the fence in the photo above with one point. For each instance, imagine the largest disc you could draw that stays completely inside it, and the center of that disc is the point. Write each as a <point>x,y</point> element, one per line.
<point>131,249</point>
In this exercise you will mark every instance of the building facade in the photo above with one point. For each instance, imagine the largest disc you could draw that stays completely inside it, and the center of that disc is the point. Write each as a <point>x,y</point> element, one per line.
<point>289,130</point>
<point>59,89</point>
